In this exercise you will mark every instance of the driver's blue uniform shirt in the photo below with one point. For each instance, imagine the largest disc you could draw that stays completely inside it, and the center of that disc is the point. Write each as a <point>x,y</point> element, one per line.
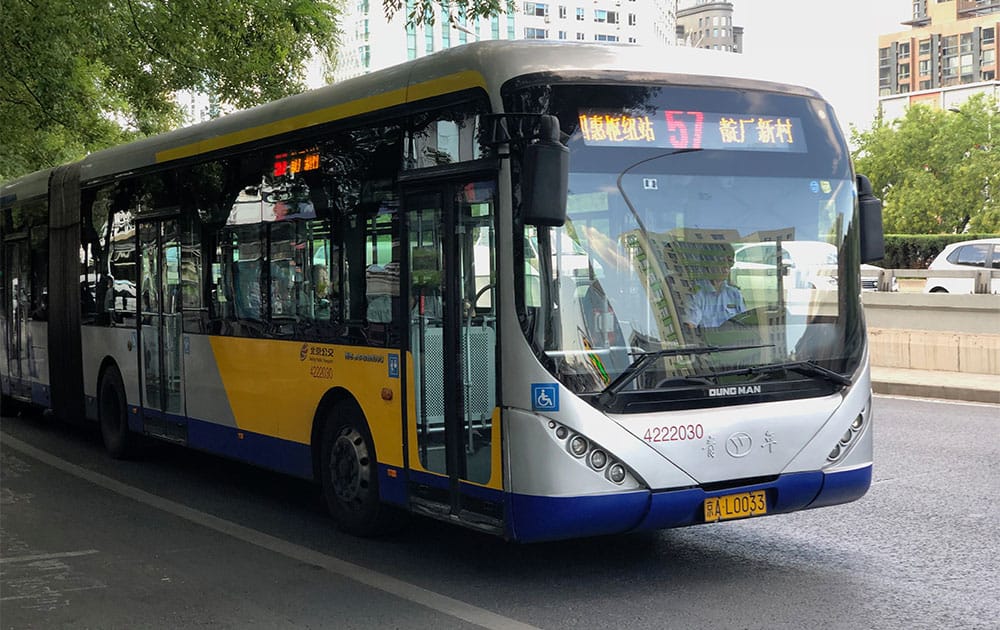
<point>710,307</point>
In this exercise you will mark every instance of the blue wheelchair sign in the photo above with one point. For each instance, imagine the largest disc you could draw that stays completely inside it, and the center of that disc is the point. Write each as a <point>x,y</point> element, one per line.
<point>544,397</point>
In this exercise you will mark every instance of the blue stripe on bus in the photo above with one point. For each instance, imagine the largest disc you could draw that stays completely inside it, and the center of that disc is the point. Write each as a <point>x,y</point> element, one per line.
<point>291,458</point>
<point>284,456</point>
<point>537,518</point>
<point>842,487</point>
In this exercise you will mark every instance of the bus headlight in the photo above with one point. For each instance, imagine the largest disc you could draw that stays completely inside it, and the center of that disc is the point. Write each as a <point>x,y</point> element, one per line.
<point>594,456</point>
<point>847,439</point>
<point>598,459</point>
<point>616,473</point>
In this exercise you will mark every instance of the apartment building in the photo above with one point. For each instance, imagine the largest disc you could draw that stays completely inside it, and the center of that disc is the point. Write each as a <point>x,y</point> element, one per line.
<point>948,53</point>
<point>708,24</point>
<point>371,42</point>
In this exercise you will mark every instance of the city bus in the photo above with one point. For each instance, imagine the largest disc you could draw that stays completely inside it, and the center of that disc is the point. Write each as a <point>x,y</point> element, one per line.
<point>463,287</point>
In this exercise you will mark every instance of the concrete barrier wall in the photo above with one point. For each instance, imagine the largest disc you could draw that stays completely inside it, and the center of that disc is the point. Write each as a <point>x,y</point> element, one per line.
<point>959,333</point>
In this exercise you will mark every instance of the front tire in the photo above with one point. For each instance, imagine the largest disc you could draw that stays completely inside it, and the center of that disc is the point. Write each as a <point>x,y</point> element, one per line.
<point>349,474</point>
<point>113,413</point>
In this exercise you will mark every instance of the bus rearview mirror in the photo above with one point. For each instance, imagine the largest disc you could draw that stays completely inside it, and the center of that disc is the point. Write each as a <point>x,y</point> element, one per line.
<point>545,178</point>
<point>870,216</point>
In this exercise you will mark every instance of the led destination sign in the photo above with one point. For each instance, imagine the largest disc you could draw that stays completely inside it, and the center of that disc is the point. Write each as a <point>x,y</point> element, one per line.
<point>681,129</point>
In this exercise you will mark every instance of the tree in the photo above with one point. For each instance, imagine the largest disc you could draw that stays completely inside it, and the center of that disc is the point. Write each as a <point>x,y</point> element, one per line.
<point>937,171</point>
<point>81,75</point>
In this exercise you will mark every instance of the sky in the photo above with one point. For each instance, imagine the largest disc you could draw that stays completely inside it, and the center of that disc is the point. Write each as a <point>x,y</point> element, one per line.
<point>831,47</point>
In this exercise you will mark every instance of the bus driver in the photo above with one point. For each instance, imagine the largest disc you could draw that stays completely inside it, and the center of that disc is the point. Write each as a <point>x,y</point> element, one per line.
<point>715,300</point>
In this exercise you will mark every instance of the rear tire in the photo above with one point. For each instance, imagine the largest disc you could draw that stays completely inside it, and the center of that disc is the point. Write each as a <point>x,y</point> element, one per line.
<point>113,414</point>
<point>939,290</point>
<point>349,474</point>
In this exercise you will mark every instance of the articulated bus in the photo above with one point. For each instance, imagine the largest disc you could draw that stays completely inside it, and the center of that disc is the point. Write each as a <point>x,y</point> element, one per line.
<point>494,286</point>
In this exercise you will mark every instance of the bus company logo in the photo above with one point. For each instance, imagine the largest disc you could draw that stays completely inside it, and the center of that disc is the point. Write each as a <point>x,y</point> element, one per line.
<point>740,390</point>
<point>739,444</point>
<point>312,352</point>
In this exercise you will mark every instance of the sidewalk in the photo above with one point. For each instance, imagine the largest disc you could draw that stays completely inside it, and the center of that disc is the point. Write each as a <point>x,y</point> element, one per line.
<point>936,384</point>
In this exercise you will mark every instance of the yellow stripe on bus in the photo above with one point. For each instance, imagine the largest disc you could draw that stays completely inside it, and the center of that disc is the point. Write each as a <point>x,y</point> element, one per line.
<point>419,91</point>
<point>274,387</point>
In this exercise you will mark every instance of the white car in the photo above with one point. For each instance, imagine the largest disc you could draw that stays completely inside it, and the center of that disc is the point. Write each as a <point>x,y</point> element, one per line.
<point>983,253</point>
<point>807,264</point>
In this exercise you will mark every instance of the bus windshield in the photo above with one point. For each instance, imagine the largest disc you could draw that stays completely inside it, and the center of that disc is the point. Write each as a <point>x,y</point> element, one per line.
<point>697,218</point>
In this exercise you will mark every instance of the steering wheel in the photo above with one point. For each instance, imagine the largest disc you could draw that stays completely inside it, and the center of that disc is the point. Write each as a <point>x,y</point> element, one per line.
<point>480,292</point>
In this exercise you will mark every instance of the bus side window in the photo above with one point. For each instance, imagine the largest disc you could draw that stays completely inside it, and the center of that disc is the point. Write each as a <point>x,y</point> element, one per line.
<point>382,276</point>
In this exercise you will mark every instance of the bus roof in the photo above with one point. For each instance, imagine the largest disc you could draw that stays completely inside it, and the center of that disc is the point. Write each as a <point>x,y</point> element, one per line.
<point>481,64</point>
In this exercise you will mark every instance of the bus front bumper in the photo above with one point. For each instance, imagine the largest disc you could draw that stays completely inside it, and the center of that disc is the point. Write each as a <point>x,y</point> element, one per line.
<point>537,519</point>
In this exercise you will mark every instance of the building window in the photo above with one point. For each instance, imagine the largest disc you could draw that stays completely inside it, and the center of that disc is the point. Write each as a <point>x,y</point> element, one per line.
<point>631,19</point>
<point>536,8</point>
<point>924,67</point>
<point>580,14</point>
<point>562,12</point>
<point>904,71</point>
<point>924,47</point>
<point>989,36</point>
<point>562,34</point>
<point>989,57</point>
<point>904,50</point>
<point>580,36</point>
<point>924,85</point>
<point>605,38</point>
<point>536,33</point>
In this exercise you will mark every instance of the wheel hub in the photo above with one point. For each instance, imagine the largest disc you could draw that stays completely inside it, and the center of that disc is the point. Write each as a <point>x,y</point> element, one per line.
<point>349,469</point>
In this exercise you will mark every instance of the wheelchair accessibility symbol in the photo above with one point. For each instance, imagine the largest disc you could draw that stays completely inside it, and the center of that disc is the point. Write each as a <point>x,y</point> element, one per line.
<point>544,397</point>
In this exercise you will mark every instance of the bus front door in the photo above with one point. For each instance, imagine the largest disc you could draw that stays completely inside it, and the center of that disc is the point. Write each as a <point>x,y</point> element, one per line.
<point>453,419</point>
<point>161,332</point>
<point>18,292</point>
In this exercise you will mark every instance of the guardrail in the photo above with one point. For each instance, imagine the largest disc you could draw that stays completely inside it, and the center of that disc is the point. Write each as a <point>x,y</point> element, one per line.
<point>982,278</point>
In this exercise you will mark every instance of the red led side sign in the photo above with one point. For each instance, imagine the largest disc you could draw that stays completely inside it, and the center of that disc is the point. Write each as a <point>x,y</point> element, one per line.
<point>295,162</point>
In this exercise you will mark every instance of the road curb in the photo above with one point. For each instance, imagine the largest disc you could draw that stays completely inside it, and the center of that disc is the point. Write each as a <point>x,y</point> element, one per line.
<point>945,392</point>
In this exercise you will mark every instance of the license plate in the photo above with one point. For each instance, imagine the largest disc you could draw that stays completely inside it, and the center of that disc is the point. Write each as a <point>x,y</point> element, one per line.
<point>739,505</point>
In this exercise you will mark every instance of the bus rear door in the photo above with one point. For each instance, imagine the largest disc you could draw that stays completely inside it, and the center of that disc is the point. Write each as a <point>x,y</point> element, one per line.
<point>18,292</point>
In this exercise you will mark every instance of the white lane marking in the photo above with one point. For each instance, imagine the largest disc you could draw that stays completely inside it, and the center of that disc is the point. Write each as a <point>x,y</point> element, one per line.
<point>48,556</point>
<point>388,584</point>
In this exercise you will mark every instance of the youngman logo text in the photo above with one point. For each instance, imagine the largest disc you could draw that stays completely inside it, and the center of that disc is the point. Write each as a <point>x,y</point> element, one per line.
<point>740,390</point>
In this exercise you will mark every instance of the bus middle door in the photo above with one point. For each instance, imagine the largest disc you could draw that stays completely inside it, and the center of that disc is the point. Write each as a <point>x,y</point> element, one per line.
<point>161,333</point>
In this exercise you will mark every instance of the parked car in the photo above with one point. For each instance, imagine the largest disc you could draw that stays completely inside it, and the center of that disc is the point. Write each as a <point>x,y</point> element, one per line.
<point>982,253</point>
<point>807,264</point>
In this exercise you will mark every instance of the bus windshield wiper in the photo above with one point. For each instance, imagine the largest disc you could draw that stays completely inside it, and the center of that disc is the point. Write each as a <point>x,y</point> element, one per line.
<point>802,367</point>
<point>645,359</point>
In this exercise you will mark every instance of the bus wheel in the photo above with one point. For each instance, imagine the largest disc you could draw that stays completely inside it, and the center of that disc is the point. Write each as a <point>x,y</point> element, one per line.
<point>350,474</point>
<point>113,413</point>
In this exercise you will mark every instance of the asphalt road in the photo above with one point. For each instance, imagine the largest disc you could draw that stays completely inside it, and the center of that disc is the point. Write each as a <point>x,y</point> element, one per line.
<point>184,540</point>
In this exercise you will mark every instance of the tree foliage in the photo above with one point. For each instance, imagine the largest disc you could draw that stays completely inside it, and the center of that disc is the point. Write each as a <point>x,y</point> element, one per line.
<point>936,171</point>
<point>423,11</point>
<point>81,75</point>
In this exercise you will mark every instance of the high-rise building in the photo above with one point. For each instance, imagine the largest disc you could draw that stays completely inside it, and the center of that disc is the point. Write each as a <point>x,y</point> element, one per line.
<point>371,42</point>
<point>948,53</point>
<point>708,24</point>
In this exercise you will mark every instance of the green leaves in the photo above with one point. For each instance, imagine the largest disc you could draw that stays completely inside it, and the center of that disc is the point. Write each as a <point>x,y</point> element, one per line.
<point>936,171</point>
<point>82,75</point>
